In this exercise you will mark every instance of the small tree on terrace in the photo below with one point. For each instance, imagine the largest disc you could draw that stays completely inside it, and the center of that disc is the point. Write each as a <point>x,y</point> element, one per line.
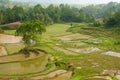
<point>31,31</point>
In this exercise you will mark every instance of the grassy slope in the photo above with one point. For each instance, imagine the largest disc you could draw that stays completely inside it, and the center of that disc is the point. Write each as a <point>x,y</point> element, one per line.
<point>91,64</point>
<point>57,29</point>
<point>108,36</point>
<point>87,62</point>
<point>11,32</point>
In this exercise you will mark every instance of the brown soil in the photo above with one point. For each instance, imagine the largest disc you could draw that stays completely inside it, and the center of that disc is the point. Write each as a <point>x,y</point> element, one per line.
<point>111,53</point>
<point>112,72</point>
<point>9,39</point>
<point>2,51</point>
<point>64,76</point>
<point>52,75</point>
<point>14,24</point>
<point>102,77</point>
<point>32,53</point>
<point>36,51</point>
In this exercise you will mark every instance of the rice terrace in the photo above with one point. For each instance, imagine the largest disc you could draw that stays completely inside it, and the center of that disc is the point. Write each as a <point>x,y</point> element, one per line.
<point>59,40</point>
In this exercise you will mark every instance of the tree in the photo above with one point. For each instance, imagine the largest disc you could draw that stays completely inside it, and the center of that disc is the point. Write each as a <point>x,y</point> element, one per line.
<point>18,13</point>
<point>53,12</point>
<point>38,12</point>
<point>1,17</point>
<point>31,31</point>
<point>113,20</point>
<point>47,19</point>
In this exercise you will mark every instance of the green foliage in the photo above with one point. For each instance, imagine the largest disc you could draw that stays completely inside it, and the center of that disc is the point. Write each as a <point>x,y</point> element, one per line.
<point>48,15</point>
<point>1,31</point>
<point>113,20</point>
<point>101,10</point>
<point>76,78</point>
<point>117,30</point>
<point>117,40</point>
<point>53,12</point>
<point>10,32</point>
<point>59,13</point>
<point>76,28</point>
<point>96,24</point>
<point>31,30</point>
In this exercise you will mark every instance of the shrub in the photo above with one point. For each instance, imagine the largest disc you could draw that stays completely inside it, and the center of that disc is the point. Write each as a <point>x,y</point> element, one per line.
<point>113,20</point>
<point>74,28</point>
<point>117,40</point>
<point>1,31</point>
<point>96,24</point>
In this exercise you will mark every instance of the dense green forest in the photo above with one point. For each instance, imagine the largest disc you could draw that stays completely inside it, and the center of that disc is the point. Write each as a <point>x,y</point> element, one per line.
<point>57,13</point>
<point>61,13</point>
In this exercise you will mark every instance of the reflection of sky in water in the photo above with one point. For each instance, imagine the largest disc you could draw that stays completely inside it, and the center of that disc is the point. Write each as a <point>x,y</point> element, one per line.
<point>25,67</point>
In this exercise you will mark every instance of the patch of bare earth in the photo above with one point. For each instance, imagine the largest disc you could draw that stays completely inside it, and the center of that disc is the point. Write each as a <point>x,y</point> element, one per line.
<point>54,75</point>
<point>2,51</point>
<point>85,50</point>
<point>73,36</point>
<point>103,77</point>
<point>33,53</point>
<point>9,39</point>
<point>14,24</point>
<point>115,73</point>
<point>112,73</point>
<point>64,76</point>
<point>111,53</point>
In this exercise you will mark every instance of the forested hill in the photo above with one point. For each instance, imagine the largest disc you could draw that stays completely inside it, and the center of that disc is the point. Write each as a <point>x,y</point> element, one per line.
<point>101,10</point>
<point>13,11</point>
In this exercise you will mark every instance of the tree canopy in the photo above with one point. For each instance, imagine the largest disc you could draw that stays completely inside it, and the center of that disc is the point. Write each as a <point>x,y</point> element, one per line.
<point>48,15</point>
<point>30,31</point>
<point>113,20</point>
<point>57,13</point>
